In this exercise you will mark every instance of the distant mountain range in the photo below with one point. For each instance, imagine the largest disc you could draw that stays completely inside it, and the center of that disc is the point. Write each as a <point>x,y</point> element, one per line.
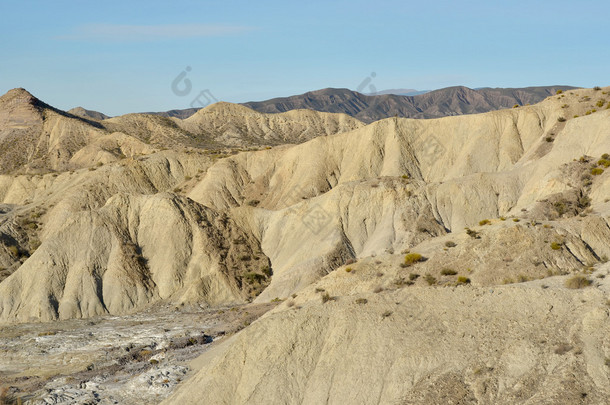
<point>400,92</point>
<point>457,100</point>
<point>406,103</point>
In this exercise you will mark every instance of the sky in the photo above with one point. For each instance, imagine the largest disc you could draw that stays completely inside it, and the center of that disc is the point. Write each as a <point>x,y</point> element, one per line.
<point>133,56</point>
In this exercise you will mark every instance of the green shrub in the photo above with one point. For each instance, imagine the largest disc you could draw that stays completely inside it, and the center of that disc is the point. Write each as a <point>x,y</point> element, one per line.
<point>559,92</point>
<point>463,280</point>
<point>556,246</point>
<point>413,276</point>
<point>412,258</point>
<point>604,162</point>
<point>561,119</point>
<point>516,106</point>
<point>448,272</point>
<point>549,139</point>
<point>606,156</point>
<point>484,222</point>
<point>596,171</point>
<point>596,88</point>
<point>600,103</point>
<point>578,281</point>
<point>361,301</point>
<point>516,220</point>
<point>450,244</point>
<point>348,269</point>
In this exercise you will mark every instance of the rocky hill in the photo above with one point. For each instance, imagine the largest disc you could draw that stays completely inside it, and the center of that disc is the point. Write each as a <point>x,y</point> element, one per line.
<point>452,260</point>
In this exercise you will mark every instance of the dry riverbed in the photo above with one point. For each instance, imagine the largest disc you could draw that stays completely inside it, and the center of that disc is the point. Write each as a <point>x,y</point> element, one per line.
<point>135,359</point>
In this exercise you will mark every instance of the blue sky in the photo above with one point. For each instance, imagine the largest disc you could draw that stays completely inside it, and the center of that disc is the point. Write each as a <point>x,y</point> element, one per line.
<point>122,56</point>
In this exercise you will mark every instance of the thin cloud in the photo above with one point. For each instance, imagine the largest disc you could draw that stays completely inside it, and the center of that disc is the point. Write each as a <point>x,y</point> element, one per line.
<point>132,33</point>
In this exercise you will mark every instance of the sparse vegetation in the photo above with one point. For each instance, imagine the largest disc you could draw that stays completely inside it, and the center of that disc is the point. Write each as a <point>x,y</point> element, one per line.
<point>326,297</point>
<point>578,281</point>
<point>596,171</point>
<point>463,280</point>
<point>412,258</point>
<point>556,246</point>
<point>472,233</point>
<point>362,301</point>
<point>563,348</point>
<point>450,244</point>
<point>448,272</point>
<point>561,119</point>
<point>431,280</point>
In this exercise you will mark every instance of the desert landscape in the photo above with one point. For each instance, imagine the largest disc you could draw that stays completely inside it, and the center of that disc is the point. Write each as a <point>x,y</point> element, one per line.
<point>295,256</point>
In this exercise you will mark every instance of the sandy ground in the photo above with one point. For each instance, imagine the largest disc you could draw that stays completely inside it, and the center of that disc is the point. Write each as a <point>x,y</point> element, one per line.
<point>135,359</point>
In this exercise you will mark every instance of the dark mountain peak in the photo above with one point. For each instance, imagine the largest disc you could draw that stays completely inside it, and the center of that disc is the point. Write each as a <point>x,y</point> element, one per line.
<point>89,114</point>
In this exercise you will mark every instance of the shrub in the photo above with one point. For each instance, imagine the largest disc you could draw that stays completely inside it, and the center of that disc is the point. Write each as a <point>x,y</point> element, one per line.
<point>502,218</point>
<point>253,203</point>
<point>561,119</point>
<point>473,234</point>
<point>578,281</point>
<point>516,220</point>
<point>412,258</point>
<point>559,92</point>
<point>450,244</point>
<point>596,171</point>
<point>413,276</point>
<point>605,156</point>
<point>326,297</point>
<point>600,103</point>
<point>361,301</point>
<point>448,272</point>
<point>463,280</point>
<point>604,162</point>
<point>597,88</point>
<point>386,314</point>
<point>319,290</point>
<point>549,139</point>
<point>555,246</point>
<point>348,269</point>
<point>245,258</point>
<point>484,222</point>
<point>430,279</point>
<point>563,348</point>
<point>377,290</point>
<point>516,106</point>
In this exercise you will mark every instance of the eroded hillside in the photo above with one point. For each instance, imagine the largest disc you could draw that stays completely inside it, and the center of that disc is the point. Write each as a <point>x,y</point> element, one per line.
<point>378,237</point>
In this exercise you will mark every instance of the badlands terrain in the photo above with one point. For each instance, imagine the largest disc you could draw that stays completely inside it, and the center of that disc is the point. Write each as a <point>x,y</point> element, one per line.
<point>305,257</point>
